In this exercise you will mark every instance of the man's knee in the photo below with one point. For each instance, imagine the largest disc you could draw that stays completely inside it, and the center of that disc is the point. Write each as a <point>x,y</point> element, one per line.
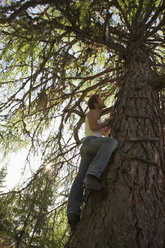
<point>114,143</point>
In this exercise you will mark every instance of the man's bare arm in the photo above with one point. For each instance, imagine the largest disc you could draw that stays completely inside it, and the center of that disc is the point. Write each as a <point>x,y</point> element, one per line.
<point>92,118</point>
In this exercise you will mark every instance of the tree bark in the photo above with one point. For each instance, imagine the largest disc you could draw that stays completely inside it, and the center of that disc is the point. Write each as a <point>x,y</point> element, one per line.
<point>158,82</point>
<point>130,211</point>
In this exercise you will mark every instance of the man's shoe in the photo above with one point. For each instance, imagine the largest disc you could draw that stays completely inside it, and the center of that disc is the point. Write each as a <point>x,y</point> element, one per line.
<point>92,183</point>
<point>73,219</point>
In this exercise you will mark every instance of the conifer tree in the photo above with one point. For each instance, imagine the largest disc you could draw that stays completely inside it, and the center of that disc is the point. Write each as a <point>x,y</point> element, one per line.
<point>54,55</point>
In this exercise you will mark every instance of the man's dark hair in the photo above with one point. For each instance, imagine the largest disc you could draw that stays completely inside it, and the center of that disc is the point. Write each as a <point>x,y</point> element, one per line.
<point>92,100</point>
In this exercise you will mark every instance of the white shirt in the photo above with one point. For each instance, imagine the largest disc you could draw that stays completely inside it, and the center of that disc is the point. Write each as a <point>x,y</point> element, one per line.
<point>88,131</point>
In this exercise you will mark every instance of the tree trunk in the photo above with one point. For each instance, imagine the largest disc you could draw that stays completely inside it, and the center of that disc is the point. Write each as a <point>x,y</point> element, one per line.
<point>130,212</point>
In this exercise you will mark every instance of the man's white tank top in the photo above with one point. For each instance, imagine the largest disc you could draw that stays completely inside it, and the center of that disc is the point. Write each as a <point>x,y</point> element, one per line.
<point>88,131</point>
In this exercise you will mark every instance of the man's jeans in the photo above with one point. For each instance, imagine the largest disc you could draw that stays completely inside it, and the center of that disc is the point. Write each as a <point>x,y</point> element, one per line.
<point>95,154</point>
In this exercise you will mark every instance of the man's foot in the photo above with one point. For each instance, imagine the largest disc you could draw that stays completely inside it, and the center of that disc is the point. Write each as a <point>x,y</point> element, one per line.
<point>92,183</point>
<point>73,219</point>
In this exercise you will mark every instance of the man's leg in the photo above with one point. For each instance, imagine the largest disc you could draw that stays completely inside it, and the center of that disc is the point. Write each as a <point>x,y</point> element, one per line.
<point>76,193</point>
<point>104,147</point>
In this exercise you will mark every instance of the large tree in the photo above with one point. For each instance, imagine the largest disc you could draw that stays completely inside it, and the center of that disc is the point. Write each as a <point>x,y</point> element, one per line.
<point>54,55</point>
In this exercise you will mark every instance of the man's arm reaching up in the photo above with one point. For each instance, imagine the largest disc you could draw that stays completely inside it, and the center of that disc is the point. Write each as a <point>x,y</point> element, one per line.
<point>93,117</point>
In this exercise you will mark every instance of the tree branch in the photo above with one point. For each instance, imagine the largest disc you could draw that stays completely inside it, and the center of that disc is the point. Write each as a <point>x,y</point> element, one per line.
<point>157,28</point>
<point>25,6</point>
<point>96,75</point>
<point>158,83</point>
<point>155,16</point>
<point>117,5</point>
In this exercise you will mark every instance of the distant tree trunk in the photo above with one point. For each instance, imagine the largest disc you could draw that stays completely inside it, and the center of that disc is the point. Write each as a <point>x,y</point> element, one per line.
<point>130,212</point>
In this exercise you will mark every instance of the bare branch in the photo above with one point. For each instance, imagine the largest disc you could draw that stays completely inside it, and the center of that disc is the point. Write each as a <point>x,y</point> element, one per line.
<point>96,75</point>
<point>154,17</point>
<point>124,16</point>
<point>155,29</point>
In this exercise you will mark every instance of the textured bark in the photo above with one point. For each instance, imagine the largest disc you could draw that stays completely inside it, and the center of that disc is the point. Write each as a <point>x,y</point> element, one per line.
<point>130,212</point>
<point>158,82</point>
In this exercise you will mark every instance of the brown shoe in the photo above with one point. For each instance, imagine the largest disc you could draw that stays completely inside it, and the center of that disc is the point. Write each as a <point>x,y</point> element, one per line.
<point>92,183</point>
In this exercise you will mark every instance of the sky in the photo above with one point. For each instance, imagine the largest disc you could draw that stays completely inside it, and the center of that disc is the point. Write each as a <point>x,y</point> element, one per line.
<point>14,168</point>
<point>18,170</point>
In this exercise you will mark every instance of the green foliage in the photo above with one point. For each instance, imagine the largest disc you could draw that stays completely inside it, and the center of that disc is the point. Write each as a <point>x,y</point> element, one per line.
<point>84,12</point>
<point>3,174</point>
<point>30,218</point>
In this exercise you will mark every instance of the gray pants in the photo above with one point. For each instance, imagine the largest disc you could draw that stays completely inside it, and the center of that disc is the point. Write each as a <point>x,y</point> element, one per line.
<point>95,154</point>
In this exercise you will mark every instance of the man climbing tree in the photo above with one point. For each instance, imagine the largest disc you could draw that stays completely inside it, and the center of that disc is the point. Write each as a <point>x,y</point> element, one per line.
<point>54,55</point>
<point>95,154</point>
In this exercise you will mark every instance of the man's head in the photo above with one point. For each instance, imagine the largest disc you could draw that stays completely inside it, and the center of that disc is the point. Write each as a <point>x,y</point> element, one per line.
<point>95,102</point>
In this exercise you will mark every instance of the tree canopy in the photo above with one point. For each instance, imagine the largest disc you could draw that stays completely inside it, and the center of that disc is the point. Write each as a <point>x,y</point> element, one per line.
<point>54,55</point>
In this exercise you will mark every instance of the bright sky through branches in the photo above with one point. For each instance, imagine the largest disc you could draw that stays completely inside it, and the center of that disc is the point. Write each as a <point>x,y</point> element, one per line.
<point>18,170</point>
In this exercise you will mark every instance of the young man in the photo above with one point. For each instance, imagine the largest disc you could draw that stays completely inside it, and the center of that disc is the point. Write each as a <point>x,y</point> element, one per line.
<point>95,154</point>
